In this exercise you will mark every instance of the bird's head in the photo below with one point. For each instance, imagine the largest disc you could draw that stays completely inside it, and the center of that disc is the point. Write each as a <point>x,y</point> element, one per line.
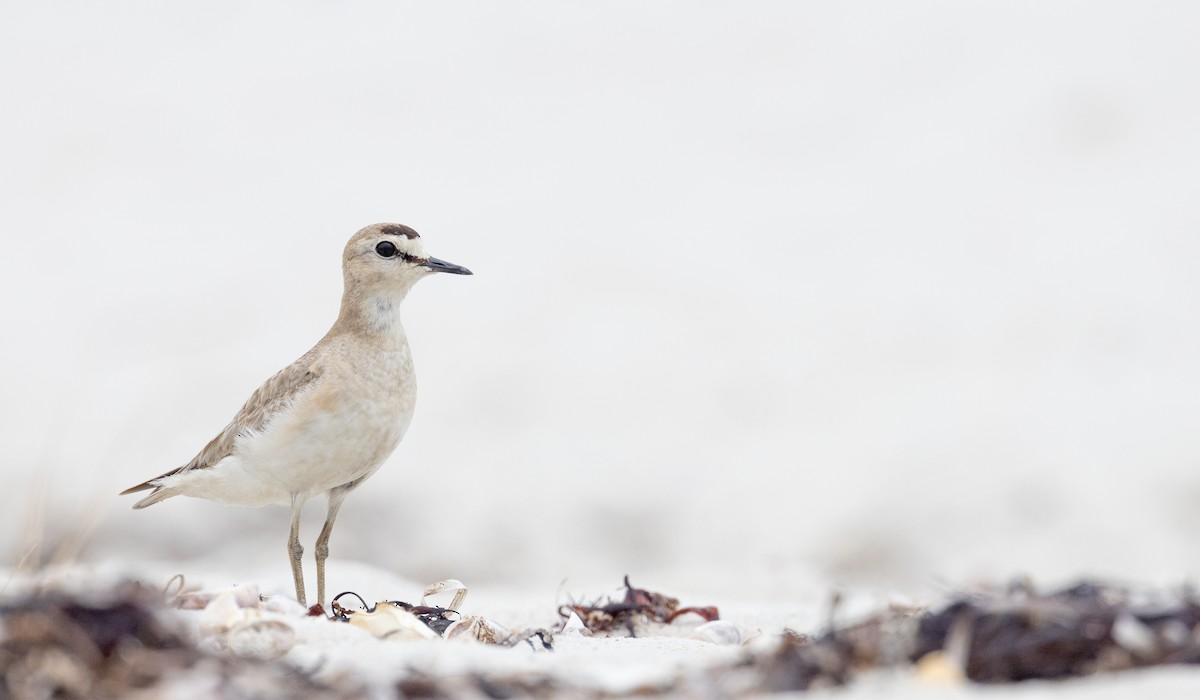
<point>381,263</point>
<point>390,258</point>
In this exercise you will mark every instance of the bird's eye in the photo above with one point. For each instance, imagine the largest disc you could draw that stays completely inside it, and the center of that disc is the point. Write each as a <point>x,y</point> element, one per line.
<point>386,249</point>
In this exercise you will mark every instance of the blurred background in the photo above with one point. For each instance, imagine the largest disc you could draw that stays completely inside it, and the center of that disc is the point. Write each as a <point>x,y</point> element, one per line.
<point>769,297</point>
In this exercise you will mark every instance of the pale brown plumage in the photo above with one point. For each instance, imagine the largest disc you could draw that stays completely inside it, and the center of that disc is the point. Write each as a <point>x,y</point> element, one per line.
<point>266,401</point>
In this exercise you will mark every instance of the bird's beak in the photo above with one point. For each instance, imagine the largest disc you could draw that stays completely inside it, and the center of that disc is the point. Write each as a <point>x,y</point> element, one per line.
<point>442,266</point>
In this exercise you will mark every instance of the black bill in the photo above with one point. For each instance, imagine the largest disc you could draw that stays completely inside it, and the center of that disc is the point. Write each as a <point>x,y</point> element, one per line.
<point>443,266</point>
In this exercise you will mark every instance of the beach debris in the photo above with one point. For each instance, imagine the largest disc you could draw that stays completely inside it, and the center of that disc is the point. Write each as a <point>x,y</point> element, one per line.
<point>397,620</point>
<point>388,621</point>
<point>392,619</point>
<point>434,617</point>
<point>540,639</point>
<point>236,621</point>
<point>124,641</point>
<point>57,645</point>
<point>177,593</point>
<point>718,632</point>
<point>573,626</point>
<point>637,607</point>
<point>799,662</point>
<point>995,635</point>
<point>1016,633</point>
<point>485,631</point>
<point>451,584</point>
<point>478,629</point>
<point>131,640</point>
<point>263,639</point>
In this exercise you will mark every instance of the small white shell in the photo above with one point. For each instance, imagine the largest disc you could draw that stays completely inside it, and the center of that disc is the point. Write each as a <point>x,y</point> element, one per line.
<point>1133,635</point>
<point>390,622</point>
<point>222,613</point>
<point>243,597</point>
<point>450,584</point>
<point>261,639</point>
<point>718,632</point>
<point>574,626</point>
<point>245,631</point>
<point>940,668</point>
<point>478,629</point>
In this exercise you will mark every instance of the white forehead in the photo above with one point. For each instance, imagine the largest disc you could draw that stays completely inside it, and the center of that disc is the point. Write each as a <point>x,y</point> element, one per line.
<point>409,246</point>
<point>406,240</point>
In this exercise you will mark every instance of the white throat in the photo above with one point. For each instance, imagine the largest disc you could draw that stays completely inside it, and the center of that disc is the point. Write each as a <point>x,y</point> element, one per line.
<point>382,314</point>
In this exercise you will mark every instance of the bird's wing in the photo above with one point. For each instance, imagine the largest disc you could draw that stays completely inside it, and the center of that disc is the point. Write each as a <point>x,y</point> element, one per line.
<point>276,394</point>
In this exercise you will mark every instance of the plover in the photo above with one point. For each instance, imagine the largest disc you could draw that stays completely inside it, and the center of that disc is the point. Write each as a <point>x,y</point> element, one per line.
<point>327,421</point>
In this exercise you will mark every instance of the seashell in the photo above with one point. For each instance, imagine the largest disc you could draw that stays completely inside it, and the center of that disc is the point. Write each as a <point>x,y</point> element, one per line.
<point>718,632</point>
<point>450,584</point>
<point>760,642</point>
<point>478,629</point>
<point>387,621</point>
<point>224,626</point>
<point>940,668</point>
<point>265,640</point>
<point>536,641</point>
<point>222,613</point>
<point>1133,635</point>
<point>574,626</point>
<point>243,597</point>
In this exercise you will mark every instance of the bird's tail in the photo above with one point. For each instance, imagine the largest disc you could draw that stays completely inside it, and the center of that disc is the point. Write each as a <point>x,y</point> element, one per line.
<point>158,494</point>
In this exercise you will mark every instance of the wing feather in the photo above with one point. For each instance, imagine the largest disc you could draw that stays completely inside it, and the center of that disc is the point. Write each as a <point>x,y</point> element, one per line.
<point>276,394</point>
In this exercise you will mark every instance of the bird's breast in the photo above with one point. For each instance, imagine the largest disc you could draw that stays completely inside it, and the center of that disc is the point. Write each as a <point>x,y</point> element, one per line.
<point>373,398</point>
<point>344,428</point>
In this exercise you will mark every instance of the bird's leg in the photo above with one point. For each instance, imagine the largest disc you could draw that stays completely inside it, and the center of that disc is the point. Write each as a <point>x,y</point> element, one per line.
<point>295,550</point>
<point>335,497</point>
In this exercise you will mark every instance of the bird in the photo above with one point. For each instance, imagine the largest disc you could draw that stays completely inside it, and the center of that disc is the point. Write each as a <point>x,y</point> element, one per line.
<point>326,422</point>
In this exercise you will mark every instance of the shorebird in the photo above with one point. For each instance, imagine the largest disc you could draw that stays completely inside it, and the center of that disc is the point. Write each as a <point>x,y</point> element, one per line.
<point>327,421</point>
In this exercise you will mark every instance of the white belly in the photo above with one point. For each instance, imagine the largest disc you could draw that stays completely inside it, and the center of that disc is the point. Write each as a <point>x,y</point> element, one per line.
<point>340,432</point>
